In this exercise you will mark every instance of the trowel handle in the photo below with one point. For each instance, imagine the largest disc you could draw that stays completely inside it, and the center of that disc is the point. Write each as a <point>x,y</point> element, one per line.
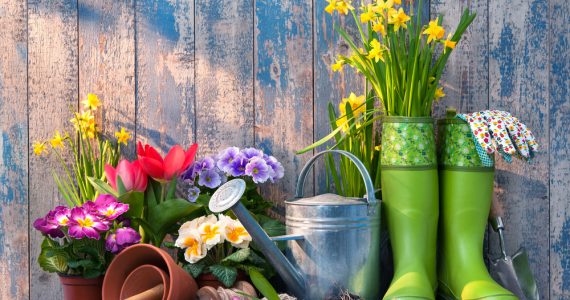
<point>370,193</point>
<point>499,227</point>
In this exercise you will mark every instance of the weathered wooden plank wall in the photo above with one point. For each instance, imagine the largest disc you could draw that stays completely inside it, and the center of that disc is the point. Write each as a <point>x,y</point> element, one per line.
<point>257,73</point>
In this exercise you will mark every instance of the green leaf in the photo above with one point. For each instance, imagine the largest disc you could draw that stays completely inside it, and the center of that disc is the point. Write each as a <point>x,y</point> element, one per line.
<point>271,226</point>
<point>135,200</point>
<point>171,188</point>
<point>162,216</point>
<point>238,256</point>
<point>102,187</point>
<point>226,275</point>
<point>81,263</point>
<point>195,269</point>
<point>120,186</point>
<point>262,284</point>
<point>55,262</point>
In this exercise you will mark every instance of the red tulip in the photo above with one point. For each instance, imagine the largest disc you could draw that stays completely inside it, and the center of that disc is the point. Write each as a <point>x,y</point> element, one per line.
<point>176,161</point>
<point>132,175</point>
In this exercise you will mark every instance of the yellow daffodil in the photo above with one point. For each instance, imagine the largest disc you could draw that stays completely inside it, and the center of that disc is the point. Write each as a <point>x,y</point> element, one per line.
<point>341,122</point>
<point>82,119</point>
<point>344,6</point>
<point>398,2</point>
<point>92,102</point>
<point>448,43</point>
<point>439,93</point>
<point>123,136</point>
<point>368,14</point>
<point>379,28</point>
<point>434,31</point>
<point>356,104</point>
<point>384,5</point>
<point>378,148</point>
<point>331,7</point>
<point>57,140</point>
<point>39,148</point>
<point>376,51</point>
<point>399,19</point>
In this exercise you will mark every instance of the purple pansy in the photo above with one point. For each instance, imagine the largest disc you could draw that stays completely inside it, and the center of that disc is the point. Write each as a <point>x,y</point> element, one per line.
<point>189,176</point>
<point>121,239</point>
<point>110,208</point>
<point>258,169</point>
<point>237,167</point>
<point>277,170</point>
<point>210,179</point>
<point>193,193</point>
<point>83,223</point>
<point>226,158</point>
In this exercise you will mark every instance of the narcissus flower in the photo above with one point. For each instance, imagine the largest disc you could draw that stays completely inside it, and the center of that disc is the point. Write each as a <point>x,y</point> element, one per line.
<point>439,93</point>
<point>39,148</point>
<point>399,19</point>
<point>132,175</point>
<point>376,51</point>
<point>379,28</point>
<point>368,14</point>
<point>91,102</point>
<point>57,140</point>
<point>448,43</point>
<point>434,31</point>
<point>356,104</point>
<point>337,66</point>
<point>176,161</point>
<point>83,223</point>
<point>123,136</point>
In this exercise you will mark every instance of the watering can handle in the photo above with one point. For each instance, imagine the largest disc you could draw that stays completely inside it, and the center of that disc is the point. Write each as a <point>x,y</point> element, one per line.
<point>370,196</point>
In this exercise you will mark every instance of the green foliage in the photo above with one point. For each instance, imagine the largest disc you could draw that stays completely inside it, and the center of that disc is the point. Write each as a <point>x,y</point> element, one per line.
<point>85,257</point>
<point>263,285</point>
<point>225,274</point>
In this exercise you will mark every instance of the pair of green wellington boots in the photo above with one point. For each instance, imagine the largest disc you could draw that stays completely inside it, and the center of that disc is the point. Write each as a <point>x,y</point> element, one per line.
<point>416,202</point>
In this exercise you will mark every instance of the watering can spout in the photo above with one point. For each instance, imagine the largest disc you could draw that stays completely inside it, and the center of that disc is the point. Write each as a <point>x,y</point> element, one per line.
<point>227,197</point>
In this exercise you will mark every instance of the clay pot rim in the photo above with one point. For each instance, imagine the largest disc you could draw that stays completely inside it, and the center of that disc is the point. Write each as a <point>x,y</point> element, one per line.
<point>79,279</point>
<point>165,278</point>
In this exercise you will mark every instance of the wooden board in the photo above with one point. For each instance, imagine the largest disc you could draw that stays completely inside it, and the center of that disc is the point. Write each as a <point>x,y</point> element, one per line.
<point>465,80</point>
<point>165,72</point>
<point>330,86</point>
<point>559,119</point>
<point>52,96</point>
<point>284,89</point>
<point>107,63</point>
<point>518,83</point>
<point>224,74</point>
<point>14,237</point>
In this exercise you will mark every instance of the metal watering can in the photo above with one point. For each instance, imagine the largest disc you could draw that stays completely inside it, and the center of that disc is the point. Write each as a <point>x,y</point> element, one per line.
<point>333,241</point>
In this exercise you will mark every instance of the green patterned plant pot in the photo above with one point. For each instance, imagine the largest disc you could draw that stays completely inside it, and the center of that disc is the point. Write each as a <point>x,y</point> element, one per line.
<point>456,146</point>
<point>410,204</point>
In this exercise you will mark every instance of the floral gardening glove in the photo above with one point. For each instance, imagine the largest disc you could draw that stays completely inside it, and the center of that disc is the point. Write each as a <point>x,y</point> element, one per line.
<point>495,130</point>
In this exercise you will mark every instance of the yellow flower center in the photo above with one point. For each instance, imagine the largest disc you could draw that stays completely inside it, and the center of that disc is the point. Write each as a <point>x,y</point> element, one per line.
<point>193,246</point>
<point>235,233</point>
<point>210,232</point>
<point>87,222</point>
<point>110,212</point>
<point>63,221</point>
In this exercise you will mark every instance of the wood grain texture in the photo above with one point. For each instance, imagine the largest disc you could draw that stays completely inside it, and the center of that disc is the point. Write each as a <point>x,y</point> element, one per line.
<point>14,262</point>
<point>465,79</point>
<point>52,96</point>
<point>330,86</point>
<point>559,119</point>
<point>224,74</point>
<point>518,83</point>
<point>284,88</point>
<point>165,72</point>
<point>107,62</point>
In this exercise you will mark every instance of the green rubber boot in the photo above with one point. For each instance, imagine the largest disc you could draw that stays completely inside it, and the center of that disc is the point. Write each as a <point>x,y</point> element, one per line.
<point>410,199</point>
<point>466,191</point>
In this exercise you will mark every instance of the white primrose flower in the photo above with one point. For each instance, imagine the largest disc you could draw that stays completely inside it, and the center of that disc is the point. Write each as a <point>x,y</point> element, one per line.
<point>191,225</point>
<point>195,249</point>
<point>235,233</point>
<point>211,231</point>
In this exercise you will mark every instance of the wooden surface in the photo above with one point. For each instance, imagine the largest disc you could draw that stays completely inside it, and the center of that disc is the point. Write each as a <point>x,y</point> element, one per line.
<point>257,73</point>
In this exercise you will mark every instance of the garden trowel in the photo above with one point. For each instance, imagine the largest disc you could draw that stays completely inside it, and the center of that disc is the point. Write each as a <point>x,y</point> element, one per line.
<point>513,272</point>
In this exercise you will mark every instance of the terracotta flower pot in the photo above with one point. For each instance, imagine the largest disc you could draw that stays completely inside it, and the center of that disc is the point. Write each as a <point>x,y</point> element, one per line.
<point>145,278</point>
<point>76,287</point>
<point>207,279</point>
<point>180,286</point>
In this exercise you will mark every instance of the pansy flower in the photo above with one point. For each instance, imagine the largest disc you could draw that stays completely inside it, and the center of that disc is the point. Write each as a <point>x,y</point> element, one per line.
<point>211,231</point>
<point>258,169</point>
<point>109,207</point>
<point>194,248</point>
<point>121,239</point>
<point>83,223</point>
<point>234,232</point>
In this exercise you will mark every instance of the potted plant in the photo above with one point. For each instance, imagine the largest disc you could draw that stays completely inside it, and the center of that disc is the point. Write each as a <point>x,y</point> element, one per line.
<point>80,242</point>
<point>402,62</point>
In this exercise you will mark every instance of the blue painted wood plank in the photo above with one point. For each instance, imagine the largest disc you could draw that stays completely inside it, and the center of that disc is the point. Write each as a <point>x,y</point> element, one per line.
<point>164,70</point>
<point>14,263</point>
<point>107,62</point>
<point>284,87</point>
<point>518,81</point>
<point>559,118</point>
<point>329,86</point>
<point>224,74</point>
<point>465,79</point>
<point>52,94</point>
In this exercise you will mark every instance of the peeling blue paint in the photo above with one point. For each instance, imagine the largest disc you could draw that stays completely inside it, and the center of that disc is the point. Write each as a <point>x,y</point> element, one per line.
<point>159,15</point>
<point>561,247</point>
<point>504,54</point>
<point>266,145</point>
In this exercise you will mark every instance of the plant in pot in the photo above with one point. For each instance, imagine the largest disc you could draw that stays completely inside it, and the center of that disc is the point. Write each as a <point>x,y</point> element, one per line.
<point>80,242</point>
<point>75,235</point>
<point>402,61</point>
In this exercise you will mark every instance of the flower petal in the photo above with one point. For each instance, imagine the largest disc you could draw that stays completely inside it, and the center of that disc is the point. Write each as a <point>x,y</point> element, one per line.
<point>173,162</point>
<point>125,171</point>
<point>152,167</point>
<point>189,156</point>
<point>111,175</point>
